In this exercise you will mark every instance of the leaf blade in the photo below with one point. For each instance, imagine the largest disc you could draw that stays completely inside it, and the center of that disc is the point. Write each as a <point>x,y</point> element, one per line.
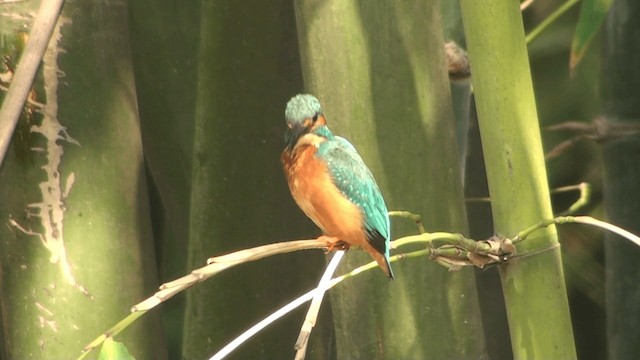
<point>113,350</point>
<point>592,14</point>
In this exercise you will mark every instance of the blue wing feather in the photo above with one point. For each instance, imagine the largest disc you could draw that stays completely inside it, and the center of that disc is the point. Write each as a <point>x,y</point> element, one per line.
<point>352,177</point>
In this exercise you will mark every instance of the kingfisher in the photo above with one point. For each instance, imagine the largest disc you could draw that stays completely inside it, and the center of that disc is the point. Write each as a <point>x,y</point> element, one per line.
<point>332,185</point>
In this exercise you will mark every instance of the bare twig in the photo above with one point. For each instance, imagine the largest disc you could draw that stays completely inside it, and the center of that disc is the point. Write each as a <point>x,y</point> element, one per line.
<point>314,308</point>
<point>215,265</point>
<point>30,101</point>
<point>453,253</point>
<point>600,130</point>
<point>220,263</point>
<point>20,87</point>
<point>585,196</point>
<point>531,36</point>
<point>452,250</point>
<point>308,296</point>
<point>411,216</point>
<point>586,220</point>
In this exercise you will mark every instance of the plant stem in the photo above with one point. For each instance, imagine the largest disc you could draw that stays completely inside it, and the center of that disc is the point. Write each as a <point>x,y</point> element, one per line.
<point>533,287</point>
<point>533,34</point>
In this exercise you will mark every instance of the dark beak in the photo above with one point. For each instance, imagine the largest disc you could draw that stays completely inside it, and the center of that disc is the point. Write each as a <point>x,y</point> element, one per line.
<point>293,133</point>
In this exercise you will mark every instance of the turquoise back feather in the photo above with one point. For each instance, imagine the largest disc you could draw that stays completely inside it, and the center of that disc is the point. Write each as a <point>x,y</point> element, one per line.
<point>355,181</point>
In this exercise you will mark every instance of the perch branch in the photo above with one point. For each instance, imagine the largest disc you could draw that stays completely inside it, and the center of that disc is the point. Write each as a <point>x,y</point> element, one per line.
<point>214,266</point>
<point>452,250</point>
<point>301,300</point>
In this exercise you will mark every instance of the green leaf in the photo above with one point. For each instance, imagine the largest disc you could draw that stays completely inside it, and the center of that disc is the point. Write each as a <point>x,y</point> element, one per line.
<point>592,13</point>
<point>113,350</point>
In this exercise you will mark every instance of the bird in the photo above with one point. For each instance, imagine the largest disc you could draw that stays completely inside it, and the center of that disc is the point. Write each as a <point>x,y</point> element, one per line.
<point>332,185</point>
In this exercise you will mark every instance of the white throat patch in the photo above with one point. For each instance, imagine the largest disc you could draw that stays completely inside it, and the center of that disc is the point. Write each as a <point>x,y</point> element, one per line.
<point>310,139</point>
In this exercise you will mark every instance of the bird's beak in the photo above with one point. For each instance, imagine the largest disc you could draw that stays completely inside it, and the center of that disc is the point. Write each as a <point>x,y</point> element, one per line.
<point>293,133</point>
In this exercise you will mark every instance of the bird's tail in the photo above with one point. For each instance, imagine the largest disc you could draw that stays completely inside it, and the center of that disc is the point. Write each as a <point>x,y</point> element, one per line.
<point>385,265</point>
<point>380,258</point>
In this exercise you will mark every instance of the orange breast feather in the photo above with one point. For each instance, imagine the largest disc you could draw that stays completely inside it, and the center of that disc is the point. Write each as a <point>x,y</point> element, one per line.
<point>315,193</point>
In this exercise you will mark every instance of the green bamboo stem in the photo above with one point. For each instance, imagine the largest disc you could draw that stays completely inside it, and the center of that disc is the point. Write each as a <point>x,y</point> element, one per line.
<point>379,70</point>
<point>534,288</point>
<point>76,246</point>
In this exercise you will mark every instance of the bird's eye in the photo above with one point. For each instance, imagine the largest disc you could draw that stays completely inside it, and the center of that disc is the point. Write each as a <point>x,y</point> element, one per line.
<point>315,118</point>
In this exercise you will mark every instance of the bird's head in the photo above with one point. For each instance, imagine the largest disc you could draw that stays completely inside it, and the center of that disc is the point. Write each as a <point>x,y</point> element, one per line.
<point>305,122</point>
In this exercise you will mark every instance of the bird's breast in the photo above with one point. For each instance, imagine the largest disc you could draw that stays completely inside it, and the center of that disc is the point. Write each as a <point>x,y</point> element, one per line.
<point>318,197</point>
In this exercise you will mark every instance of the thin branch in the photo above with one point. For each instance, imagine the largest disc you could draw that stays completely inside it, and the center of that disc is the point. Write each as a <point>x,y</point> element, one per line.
<point>585,196</point>
<point>314,308</point>
<point>30,101</point>
<point>586,220</point>
<point>606,226</point>
<point>301,300</point>
<point>531,36</point>
<point>115,330</point>
<point>451,250</point>
<point>30,59</point>
<point>600,130</point>
<point>264,323</point>
<point>411,216</point>
<point>215,266</point>
<point>220,263</point>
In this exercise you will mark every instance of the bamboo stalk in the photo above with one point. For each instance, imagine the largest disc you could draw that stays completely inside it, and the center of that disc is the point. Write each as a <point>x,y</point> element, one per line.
<point>533,286</point>
<point>379,70</point>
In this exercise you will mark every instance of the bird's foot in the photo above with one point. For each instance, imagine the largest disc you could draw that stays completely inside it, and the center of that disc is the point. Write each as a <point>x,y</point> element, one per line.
<point>334,243</point>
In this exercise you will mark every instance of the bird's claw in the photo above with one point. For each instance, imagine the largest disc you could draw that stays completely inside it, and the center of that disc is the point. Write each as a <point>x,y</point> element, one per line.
<point>334,243</point>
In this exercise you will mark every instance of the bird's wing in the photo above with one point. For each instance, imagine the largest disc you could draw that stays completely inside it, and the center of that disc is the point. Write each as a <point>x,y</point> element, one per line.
<point>355,181</point>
